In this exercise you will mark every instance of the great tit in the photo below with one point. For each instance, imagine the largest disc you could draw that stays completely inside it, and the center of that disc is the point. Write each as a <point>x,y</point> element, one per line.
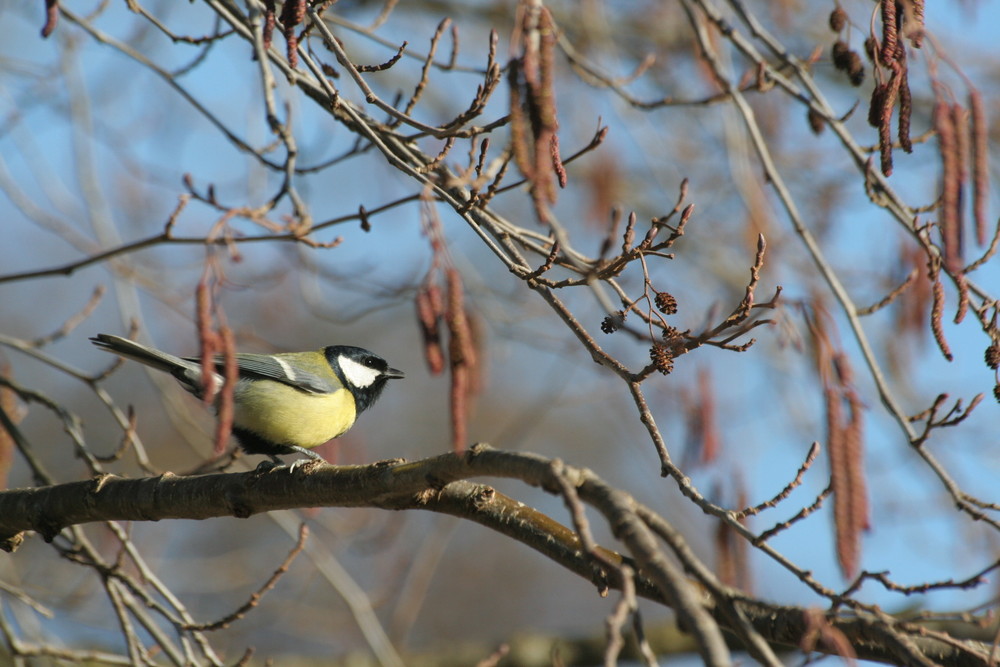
<point>282,403</point>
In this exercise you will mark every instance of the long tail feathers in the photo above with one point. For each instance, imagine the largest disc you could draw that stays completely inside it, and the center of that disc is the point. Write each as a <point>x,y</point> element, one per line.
<point>185,371</point>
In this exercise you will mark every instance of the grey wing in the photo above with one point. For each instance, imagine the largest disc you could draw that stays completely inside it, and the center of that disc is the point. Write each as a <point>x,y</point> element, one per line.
<point>278,369</point>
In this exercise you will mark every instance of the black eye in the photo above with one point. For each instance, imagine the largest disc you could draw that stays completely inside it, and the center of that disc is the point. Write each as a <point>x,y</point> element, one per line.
<point>371,363</point>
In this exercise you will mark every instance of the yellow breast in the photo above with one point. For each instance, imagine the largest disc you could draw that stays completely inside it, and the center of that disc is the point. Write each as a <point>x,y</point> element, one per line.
<point>284,415</point>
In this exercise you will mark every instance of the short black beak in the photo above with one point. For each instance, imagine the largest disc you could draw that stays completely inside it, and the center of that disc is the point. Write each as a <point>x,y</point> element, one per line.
<point>393,373</point>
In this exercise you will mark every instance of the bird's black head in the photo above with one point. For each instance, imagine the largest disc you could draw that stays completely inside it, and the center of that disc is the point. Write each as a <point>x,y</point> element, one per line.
<point>362,372</point>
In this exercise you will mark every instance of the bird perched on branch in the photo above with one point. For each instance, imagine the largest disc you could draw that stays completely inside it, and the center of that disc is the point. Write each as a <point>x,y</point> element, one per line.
<point>282,403</point>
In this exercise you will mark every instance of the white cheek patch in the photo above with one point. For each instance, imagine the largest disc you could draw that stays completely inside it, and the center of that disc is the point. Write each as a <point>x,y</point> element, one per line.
<point>357,374</point>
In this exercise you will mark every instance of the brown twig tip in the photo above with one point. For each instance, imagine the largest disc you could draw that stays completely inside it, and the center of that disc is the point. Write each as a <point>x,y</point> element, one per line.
<point>996,392</point>
<point>51,17</point>
<point>628,236</point>
<point>484,148</point>
<point>892,295</point>
<point>600,136</point>
<point>254,599</point>
<point>685,216</point>
<point>421,87</point>
<point>801,514</point>
<point>381,67</point>
<point>811,456</point>
<point>748,298</point>
<point>550,261</point>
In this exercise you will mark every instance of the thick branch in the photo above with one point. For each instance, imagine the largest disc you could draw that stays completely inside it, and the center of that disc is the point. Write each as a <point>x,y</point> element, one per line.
<point>437,484</point>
